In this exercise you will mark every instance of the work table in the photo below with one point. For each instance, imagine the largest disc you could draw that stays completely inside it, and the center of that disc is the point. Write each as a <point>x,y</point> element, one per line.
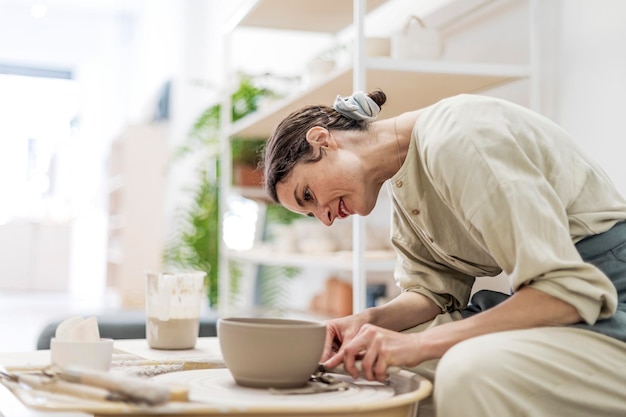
<point>209,389</point>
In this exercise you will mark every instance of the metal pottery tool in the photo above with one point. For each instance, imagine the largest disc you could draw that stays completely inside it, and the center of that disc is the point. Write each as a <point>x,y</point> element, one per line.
<point>321,369</point>
<point>399,378</point>
<point>322,380</point>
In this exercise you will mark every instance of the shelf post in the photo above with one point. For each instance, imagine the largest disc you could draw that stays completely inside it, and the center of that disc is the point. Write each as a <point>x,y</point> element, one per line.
<point>223,283</point>
<point>359,278</point>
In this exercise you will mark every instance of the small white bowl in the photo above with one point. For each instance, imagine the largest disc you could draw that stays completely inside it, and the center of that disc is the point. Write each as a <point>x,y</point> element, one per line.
<point>90,355</point>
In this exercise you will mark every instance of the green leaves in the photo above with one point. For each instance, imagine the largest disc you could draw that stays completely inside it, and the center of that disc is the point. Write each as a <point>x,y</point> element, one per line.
<point>195,242</point>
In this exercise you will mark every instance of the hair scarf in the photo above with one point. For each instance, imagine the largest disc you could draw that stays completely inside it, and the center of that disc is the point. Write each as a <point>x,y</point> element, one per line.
<point>358,106</point>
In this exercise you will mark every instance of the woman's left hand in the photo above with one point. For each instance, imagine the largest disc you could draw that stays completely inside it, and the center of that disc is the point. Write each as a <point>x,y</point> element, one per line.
<point>377,349</point>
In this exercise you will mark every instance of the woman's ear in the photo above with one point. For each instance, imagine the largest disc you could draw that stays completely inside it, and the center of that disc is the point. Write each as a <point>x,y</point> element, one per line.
<point>319,136</point>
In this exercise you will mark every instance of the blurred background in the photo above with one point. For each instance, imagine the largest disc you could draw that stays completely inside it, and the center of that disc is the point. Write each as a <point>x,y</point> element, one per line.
<point>90,89</point>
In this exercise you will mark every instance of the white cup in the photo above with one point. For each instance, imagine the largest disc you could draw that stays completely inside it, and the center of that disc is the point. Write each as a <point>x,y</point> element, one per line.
<point>173,305</point>
<point>94,355</point>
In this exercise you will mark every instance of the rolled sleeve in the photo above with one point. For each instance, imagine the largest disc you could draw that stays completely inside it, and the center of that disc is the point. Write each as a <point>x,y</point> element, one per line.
<point>537,251</point>
<point>417,271</point>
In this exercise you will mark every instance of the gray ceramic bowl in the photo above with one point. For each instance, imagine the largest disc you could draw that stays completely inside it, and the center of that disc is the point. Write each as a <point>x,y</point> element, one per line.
<point>271,352</point>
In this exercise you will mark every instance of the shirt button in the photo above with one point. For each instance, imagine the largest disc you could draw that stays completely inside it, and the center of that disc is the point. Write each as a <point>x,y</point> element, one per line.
<point>415,212</point>
<point>431,239</point>
<point>398,183</point>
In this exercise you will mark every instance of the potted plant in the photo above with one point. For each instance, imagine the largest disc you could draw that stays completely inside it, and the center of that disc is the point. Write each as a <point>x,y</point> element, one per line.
<point>195,241</point>
<point>246,154</point>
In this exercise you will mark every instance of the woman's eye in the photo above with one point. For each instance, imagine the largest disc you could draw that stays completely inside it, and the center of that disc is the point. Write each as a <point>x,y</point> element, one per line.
<point>307,195</point>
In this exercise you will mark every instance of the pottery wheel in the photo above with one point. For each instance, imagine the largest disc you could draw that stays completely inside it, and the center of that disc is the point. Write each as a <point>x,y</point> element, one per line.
<point>217,387</point>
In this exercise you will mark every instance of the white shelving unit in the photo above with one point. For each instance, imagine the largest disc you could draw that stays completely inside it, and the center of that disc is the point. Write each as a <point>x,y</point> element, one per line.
<point>340,260</point>
<point>409,84</point>
<point>136,199</point>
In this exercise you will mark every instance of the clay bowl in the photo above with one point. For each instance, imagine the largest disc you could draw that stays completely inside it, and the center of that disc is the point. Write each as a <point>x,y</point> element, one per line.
<point>271,352</point>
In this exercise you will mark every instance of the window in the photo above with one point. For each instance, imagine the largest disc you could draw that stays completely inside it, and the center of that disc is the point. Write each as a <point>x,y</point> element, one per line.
<point>38,116</point>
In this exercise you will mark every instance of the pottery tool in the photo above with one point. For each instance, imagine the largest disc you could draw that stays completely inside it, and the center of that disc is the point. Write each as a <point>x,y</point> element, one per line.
<point>323,380</point>
<point>42,382</point>
<point>129,387</point>
<point>339,369</point>
<point>185,364</point>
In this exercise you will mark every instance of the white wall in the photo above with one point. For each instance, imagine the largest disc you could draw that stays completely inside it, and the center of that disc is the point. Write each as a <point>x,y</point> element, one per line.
<point>591,85</point>
<point>580,63</point>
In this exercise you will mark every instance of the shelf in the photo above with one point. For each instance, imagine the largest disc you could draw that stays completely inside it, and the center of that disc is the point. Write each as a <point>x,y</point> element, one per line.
<point>409,85</point>
<point>116,222</point>
<point>326,16</point>
<point>115,256</point>
<point>116,182</point>
<point>252,193</point>
<point>342,260</point>
<point>136,195</point>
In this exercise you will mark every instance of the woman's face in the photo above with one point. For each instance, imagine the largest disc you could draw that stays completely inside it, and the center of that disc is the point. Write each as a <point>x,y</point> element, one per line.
<point>330,188</point>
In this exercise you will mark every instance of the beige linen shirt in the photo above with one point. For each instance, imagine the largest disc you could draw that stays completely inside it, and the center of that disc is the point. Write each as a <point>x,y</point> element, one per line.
<point>489,186</point>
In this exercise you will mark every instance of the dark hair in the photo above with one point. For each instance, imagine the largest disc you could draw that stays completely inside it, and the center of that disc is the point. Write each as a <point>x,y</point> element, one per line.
<point>288,145</point>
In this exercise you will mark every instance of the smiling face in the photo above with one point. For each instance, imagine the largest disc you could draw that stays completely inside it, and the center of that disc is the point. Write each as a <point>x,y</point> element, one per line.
<point>333,187</point>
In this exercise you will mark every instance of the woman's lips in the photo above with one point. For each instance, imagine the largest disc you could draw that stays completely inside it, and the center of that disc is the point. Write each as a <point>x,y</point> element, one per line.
<point>342,210</point>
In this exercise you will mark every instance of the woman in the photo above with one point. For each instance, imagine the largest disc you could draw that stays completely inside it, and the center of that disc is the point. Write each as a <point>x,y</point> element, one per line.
<point>479,186</point>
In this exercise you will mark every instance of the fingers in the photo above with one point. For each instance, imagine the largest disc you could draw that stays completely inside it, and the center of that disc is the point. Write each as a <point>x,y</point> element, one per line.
<point>350,356</point>
<point>331,344</point>
<point>373,362</point>
<point>369,354</point>
<point>365,351</point>
<point>346,357</point>
<point>380,370</point>
<point>338,331</point>
<point>359,354</point>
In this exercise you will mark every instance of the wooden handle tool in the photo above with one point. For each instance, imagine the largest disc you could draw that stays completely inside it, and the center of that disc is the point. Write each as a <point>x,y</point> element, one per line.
<point>56,386</point>
<point>129,387</point>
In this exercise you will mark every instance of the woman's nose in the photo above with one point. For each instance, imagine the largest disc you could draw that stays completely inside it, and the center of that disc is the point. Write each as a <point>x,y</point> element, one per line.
<point>324,215</point>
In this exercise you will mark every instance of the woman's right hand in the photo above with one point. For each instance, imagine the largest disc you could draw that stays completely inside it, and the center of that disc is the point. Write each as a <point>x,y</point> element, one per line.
<point>340,331</point>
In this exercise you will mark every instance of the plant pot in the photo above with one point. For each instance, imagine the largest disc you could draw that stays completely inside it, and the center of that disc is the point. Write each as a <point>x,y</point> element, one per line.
<point>247,176</point>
